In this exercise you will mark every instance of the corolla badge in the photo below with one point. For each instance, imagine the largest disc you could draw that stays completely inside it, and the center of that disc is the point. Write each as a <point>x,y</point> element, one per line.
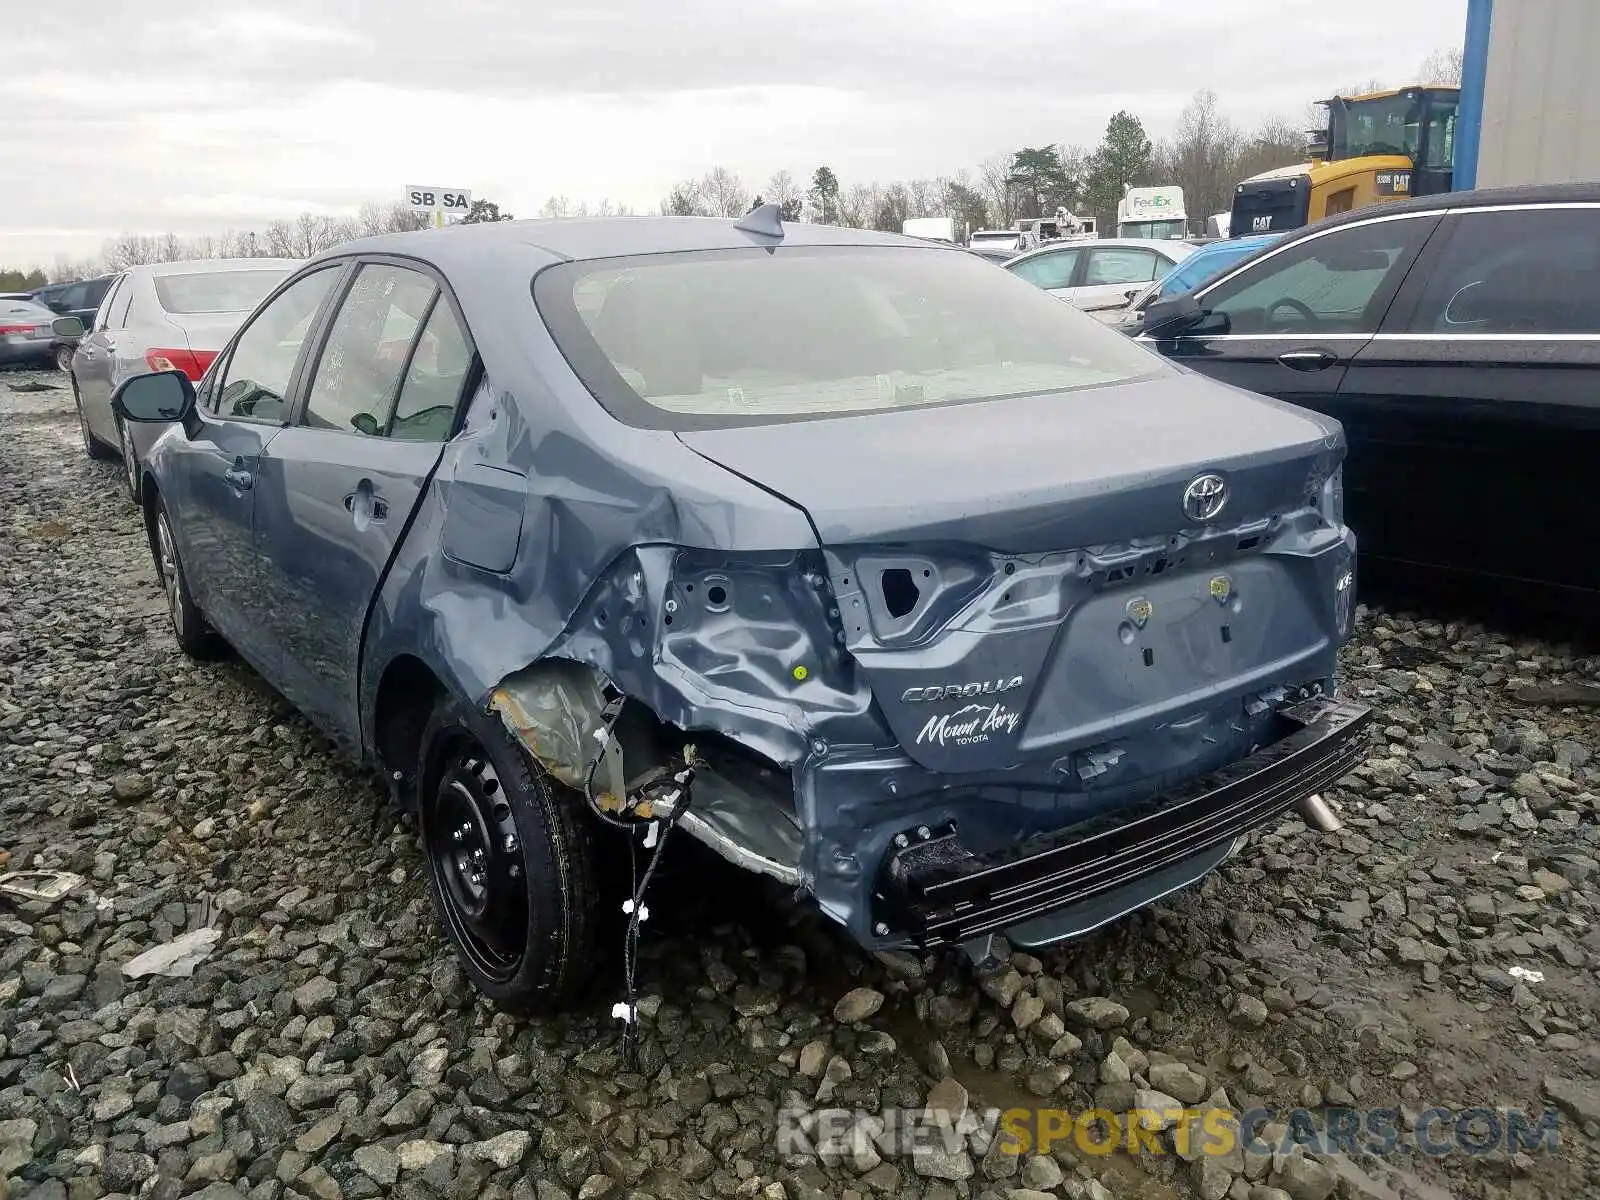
<point>1205,497</point>
<point>960,691</point>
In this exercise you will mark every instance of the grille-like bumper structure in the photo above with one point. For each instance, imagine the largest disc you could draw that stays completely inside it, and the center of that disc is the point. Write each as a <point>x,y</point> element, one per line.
<point>938,892</point>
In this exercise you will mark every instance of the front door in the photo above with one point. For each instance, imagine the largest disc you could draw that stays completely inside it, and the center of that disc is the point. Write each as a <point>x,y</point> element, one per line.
<point>1475,412</point>
<point>94,362</point>
<point>1113,275</point>
<point>336,489</point>
<point>1289,324</point>
<point>241,408</point>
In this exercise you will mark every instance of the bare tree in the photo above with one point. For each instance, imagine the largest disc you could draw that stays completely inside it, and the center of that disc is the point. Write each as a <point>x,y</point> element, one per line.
<point>725,194</point>
<point>1203,156</point>
<point>995,176</point>
<point>1275,143</point>
<point>556,206</point>
<point>686,199</point>
<point>859,205</point>
<point>1442,66</point>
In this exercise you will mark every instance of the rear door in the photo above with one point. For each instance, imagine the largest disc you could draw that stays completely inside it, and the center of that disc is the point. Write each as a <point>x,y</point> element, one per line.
<point>336,489</point>
<point>1288,324</point>
<point>1475,413</point>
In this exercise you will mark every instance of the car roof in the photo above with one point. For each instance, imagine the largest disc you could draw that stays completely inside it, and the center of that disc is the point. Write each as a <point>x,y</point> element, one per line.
<point>579,238</point>
<point>200,266</point>
<point>1550,193</point>
<point>1184,250</point>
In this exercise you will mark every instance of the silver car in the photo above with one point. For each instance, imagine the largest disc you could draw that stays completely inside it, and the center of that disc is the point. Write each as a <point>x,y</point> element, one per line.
<point>1099,273</point>
<point>26,338</point>
<point>160,317</point>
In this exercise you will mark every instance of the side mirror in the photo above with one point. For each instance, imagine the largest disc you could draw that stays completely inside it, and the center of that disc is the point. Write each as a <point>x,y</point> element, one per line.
<point>1170,316</point>
<point>67,328</point>
<point>161,396</point>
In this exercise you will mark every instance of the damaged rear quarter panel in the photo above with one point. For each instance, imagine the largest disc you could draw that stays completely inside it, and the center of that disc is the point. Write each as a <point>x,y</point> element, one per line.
<point>593,489</point>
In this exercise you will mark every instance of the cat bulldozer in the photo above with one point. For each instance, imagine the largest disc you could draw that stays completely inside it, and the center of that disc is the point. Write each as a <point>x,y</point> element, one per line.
<point>1376,147</point>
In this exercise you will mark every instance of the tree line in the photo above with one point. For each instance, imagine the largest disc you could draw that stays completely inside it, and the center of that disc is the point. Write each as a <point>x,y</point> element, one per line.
<point>1206,155</point>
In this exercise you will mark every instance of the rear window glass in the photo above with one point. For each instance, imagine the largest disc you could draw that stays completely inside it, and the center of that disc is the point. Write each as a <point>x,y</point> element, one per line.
<point>216,291</point>
<point>739,337</point>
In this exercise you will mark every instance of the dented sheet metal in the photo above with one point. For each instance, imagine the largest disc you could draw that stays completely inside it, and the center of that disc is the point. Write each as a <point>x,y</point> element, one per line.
<point>847,601</point>
<point>556,709</point>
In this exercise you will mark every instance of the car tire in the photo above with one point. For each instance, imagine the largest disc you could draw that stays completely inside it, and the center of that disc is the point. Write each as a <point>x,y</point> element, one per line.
<point>92,446</point>
<point>130,462</point>
<point>195,636</point>
<point>512,863</point>
<point>64,359</point>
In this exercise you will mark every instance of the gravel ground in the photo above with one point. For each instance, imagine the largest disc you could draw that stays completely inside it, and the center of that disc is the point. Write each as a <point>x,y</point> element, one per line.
<point>329,1048</point>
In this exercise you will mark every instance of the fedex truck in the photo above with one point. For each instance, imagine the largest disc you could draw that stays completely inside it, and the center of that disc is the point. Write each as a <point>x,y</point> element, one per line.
<point>1152,212</point>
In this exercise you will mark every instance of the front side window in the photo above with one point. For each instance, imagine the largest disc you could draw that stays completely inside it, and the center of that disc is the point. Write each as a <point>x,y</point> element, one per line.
<point>1531,271</point>
<point>1339,282</point>
<point>261,366</point>
<point>369,342</point>
<point>1384,125</point>
<point>1114,265</point>
<point>1048,271</point>
<point>741,337</point>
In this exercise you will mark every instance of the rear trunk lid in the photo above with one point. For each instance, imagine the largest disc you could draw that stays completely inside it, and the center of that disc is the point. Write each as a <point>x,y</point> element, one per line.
<point>1022,577</point>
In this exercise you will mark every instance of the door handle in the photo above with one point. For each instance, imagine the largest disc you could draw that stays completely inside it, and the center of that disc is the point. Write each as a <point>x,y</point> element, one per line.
<point>1308,360</point>
<point>372,508</point>
<point>238,476</point>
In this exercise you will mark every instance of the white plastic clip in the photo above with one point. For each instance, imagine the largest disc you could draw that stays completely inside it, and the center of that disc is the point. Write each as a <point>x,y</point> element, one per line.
<point>622,1011</point>
<point>650,834</point>
<point>644,910</point>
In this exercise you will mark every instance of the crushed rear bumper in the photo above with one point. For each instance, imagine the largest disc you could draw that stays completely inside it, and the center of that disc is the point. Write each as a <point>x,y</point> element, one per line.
<point>938,892</point>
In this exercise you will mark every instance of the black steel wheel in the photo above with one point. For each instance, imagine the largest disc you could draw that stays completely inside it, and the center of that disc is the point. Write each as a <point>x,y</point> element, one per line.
<point>477,860</point>
<point>511,863</point>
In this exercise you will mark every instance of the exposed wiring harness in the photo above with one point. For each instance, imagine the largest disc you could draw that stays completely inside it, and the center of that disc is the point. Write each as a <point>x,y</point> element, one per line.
<point>665,809</point>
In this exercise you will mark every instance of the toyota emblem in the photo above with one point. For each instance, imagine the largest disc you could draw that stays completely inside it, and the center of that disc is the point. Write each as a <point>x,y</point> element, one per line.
<point>1205,497</point>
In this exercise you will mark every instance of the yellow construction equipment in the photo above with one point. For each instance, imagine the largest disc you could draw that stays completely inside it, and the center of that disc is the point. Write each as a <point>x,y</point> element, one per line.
<point>1376,147</point>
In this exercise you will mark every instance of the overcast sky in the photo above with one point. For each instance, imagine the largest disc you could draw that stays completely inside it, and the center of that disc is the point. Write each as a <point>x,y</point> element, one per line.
<point>202,115</point>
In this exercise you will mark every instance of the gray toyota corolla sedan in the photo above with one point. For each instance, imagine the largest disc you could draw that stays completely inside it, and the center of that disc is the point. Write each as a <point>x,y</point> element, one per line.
<point>878,571</point>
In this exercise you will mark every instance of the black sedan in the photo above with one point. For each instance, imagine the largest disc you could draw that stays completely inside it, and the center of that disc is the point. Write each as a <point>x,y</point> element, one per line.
<point>1457,338</point>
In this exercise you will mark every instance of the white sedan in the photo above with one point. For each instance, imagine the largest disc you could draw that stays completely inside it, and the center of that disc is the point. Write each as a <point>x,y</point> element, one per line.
<point>1099,272</point>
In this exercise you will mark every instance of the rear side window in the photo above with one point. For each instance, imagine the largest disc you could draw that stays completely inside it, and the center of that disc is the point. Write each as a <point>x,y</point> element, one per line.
<point>752,336</point>
<point>216,291</point>
<point>1338,282</point>
<point>1526,271</point>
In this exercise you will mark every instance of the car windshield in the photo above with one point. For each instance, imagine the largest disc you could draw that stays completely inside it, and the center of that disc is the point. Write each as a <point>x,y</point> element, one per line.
<point>216,291</point>
<point>754,336</point>
<point>1203,266</point>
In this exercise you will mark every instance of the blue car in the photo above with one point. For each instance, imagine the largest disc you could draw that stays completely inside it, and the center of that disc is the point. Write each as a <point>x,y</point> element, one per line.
<point>1205,264</point>
<point>860,562</point>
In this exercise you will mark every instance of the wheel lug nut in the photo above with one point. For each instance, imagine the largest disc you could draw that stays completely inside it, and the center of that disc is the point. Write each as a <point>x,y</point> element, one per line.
<point>456,834</point>
<point>511,842</point>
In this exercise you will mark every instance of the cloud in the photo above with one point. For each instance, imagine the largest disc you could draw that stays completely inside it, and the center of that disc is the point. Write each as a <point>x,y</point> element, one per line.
<point>196,115</point>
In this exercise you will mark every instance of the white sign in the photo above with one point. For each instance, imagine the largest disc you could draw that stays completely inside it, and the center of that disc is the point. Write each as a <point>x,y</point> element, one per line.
<point>453,202</point>
<point>1154,204</point>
